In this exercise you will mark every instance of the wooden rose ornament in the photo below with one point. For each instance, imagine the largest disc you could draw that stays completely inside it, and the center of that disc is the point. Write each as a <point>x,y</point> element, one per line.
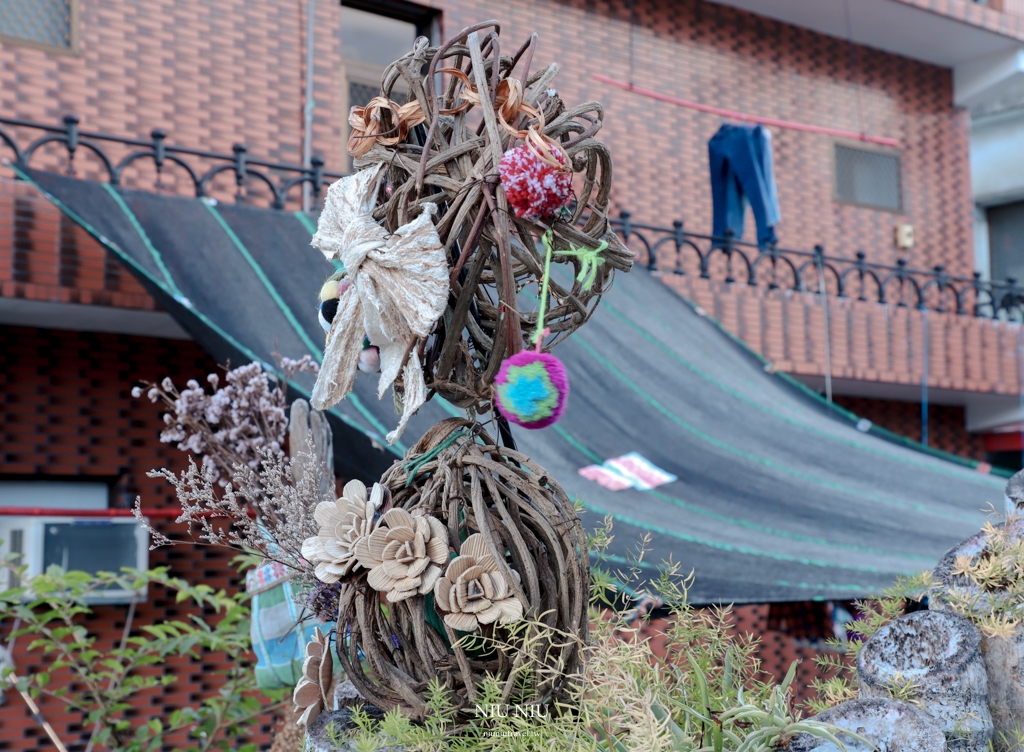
<point>399,288</point>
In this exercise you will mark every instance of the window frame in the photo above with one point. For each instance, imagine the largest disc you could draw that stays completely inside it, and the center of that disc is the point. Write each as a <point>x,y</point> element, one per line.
<point>73,48</point>
<point>873,149</point>
<point>59,485</point>
<point>426,21</point>
<point>424,18</point>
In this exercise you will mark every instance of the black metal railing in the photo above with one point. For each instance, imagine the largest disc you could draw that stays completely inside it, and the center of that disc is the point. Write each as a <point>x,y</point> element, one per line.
<point>665,249</point>
<point>675,250</point>
<point>201,167</point>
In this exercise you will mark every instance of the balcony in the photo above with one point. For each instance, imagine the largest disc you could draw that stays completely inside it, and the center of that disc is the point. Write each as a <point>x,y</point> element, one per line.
<point>890,330</point>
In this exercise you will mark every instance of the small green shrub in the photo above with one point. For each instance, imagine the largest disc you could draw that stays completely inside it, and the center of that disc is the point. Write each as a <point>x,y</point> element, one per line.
<point>105,681</point>
<point>705,696</point>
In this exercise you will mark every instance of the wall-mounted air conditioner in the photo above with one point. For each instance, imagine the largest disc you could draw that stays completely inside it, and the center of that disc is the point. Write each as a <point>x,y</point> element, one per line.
<point>89,544</point>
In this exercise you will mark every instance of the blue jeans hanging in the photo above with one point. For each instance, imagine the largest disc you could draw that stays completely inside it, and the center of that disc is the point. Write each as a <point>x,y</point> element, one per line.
<point>741,173</point>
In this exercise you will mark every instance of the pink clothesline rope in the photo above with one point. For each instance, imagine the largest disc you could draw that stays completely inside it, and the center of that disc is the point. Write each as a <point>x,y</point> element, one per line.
<point>838,133</point>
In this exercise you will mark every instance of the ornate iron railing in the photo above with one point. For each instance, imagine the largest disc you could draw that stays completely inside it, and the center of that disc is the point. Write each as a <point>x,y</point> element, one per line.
<point>279,179</point>
<point>665,249</point>
<point>677,251</point>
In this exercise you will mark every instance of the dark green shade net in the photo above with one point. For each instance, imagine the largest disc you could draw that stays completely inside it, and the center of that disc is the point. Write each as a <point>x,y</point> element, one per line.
<point>779,497</point>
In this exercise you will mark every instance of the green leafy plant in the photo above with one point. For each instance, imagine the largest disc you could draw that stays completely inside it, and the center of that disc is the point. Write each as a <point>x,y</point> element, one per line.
<point>50,609</point>
<point>988,587</point>
<point>706,695</point>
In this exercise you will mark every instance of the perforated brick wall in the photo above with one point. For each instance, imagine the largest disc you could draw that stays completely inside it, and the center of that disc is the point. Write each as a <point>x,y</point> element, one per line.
<point>44,256</point>
<point>776,649</point>
<point>945,423</point>
<point>867,341</point>
<point>66,410</point>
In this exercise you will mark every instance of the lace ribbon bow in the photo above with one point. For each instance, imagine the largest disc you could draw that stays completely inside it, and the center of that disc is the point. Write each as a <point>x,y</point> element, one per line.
<point>399,291</point>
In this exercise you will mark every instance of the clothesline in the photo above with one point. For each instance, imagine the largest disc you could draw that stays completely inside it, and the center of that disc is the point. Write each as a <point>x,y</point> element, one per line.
<point>838,133</point>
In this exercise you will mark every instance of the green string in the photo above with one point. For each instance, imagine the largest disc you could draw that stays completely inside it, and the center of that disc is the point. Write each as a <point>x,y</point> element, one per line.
<point>590,259</point>
<point>153,252</point>
<point>538,335</point>
<point>413,466</point>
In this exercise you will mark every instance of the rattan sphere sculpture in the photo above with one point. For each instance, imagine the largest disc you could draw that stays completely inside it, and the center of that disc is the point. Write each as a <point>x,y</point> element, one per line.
<point>449,150</point>
<point>517,576</point>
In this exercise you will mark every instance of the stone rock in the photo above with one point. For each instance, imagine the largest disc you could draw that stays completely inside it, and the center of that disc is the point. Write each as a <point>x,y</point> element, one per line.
<point>347,696</point>
<point>1004,663</point>
<point>1003,656</point>
<point>941,653</point>
<point>1015,495</point>
<point>329,732</point>
<point>891,725</point>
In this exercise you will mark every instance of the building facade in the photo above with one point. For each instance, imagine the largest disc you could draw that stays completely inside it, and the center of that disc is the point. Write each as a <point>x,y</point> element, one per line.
<point>874,132</point>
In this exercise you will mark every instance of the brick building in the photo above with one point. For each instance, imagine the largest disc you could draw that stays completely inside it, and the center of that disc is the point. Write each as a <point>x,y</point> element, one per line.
<point>77,329</point>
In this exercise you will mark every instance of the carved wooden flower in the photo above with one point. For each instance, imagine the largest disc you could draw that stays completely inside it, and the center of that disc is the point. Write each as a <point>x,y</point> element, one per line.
<point>473,591</point>
<point>343,523</point>
<point>312,693</point>
<point>404,554</point>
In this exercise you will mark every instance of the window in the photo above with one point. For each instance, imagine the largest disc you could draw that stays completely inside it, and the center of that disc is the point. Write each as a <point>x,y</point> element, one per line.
<point>67,534</point>
<point>88,544</point>
<point>54,494</point>
<point>46,23</point>
<point>1006,241</point>
<point>369,43</point>
<point>373,35</point>
<point>868,178</point>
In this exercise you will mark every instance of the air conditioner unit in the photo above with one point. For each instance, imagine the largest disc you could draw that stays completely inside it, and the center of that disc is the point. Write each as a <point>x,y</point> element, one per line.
<point>88,544</point>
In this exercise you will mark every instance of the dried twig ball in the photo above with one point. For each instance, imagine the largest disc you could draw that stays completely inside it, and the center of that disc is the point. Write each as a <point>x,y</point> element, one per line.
<point>477,539</point>
<point>504,160</point>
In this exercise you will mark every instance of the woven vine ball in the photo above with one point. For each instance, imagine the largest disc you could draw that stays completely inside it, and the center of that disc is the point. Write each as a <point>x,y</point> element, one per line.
<point>516,546</point>
<point>449,145</point>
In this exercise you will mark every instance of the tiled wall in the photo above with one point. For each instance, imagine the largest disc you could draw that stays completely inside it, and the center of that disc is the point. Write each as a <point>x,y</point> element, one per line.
<point>45,256</point>
<point>945,423</point>
<point>1004,16</point>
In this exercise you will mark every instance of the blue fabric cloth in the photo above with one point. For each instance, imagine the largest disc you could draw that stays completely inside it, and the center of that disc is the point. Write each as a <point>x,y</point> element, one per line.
<point>278,639</point>
<point>741,174</point>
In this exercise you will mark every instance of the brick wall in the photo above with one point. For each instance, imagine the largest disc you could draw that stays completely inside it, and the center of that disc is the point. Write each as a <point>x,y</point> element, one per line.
<point>945,423</point>
<point>727,58</point>
<point>65,410</point>
<point>45,256</point>
<point>1004,16</point>
<point>217,73</point>
<point>868,341</point>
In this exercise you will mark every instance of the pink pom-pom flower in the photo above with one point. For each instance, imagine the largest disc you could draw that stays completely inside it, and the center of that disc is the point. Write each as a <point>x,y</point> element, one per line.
<point>534,188</point>
<point>531,389</point>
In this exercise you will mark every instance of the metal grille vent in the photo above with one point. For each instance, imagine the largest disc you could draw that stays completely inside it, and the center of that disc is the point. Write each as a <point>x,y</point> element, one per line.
<point>17,548</point>
<point>869,178</point>
<point>42,21</point>
<point>360,94</point>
